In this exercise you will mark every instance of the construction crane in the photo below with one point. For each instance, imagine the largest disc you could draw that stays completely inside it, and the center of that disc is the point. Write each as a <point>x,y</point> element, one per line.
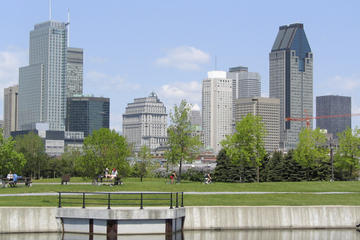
<point>308,118</point>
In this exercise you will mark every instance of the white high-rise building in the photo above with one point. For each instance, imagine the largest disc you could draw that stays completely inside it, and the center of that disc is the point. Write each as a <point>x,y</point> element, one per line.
<point>291,81</point>
<point>10,110</point>
<point>216,109</point>
<point>145,123</point>
<point>42,84</point>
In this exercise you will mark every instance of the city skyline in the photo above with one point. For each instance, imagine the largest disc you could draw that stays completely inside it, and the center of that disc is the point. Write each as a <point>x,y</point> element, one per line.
<point>146,53</point>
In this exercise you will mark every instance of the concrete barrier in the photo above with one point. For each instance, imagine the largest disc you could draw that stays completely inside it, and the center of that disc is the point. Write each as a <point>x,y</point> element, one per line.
<point>31,219</point>
<point>28,219</point>
<point>272,217</point>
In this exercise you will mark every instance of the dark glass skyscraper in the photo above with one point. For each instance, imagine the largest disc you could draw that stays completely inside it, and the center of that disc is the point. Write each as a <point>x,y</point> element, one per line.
<point>291,80</point>
<point>86,114</point>
<point>333,105</point>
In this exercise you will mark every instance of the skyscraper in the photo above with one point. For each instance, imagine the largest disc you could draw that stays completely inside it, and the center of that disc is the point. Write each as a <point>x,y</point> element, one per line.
<point>145,122</point>
<point>269,110</point>
<point>86,114</point>
<point>10,109</point>
<point>333,105</point>
<point>216,109</point>
<point>74,71</point>
<point>291,80</point>
<point>42,84</point>
<point>245,84</point>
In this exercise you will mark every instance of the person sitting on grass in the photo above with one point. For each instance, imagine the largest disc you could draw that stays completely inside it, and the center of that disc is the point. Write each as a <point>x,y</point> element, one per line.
<point>106,173</point>
<point>114,173</point>
<point>10,176</point>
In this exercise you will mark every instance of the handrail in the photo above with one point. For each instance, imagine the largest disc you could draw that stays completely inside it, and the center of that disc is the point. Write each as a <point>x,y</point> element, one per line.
<point>110,199</point>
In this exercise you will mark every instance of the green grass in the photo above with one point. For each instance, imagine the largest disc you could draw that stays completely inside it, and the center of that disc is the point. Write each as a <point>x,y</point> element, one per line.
<point>162,185</point>
<point>210,200</point>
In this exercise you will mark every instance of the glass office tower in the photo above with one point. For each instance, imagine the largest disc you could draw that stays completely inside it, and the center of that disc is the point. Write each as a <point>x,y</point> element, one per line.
<point>42,84</point>
<point>291,80</point>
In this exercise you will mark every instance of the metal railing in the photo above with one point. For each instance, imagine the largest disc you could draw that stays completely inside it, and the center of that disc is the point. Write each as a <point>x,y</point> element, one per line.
<point>116,199</point>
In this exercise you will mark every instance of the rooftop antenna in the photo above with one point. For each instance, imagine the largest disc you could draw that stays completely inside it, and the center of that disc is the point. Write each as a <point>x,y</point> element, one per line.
<point>50,9</point>
<point>68,28</point>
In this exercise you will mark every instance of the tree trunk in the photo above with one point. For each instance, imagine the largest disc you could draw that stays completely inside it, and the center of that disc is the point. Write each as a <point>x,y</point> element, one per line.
<point>257,174</point>
<point>179,177</point>
<point>141,177</point>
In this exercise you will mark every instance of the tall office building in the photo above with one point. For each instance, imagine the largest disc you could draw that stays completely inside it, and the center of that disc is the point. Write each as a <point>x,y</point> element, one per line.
<point>291,80</point>
<point>269,110</point>
<point>74,71</point>
<point>42,84</point>
<point>216,109</point>
<point>333,105</point>
<point>10,110</point>
<point>86,114</point>
<point>245,84</point>
<point>145,122</point>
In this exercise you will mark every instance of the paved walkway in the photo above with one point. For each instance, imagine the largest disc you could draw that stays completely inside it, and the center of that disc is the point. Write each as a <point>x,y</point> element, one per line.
<point>187,193</point>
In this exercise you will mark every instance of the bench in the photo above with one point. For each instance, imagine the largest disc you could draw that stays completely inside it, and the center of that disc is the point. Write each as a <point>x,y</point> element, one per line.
<point>101,180</point>
<point>26,180</point>
<point>65,179</point>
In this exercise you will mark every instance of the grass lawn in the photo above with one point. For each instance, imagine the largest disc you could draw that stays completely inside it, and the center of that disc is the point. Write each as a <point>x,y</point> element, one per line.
<point>162,185</point>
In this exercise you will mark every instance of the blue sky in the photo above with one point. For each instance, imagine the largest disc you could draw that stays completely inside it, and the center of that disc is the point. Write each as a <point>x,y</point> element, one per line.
<point>134,47</point>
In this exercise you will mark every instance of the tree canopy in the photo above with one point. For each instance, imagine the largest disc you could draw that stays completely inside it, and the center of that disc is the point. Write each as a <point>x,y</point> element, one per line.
<point>183,147</point>
<point>10,160</point>
<point>33,149</point>
<point>104,148</point>
<point>246,145</point>
<point>348,153</point>
<point>311,149</point>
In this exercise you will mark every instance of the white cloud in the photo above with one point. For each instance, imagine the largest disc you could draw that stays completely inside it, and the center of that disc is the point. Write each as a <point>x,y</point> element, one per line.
<point>106,82</point>
<point>345,83</point>
<point>184,58</point>
<point>172,94</point>
<point>10,60</point>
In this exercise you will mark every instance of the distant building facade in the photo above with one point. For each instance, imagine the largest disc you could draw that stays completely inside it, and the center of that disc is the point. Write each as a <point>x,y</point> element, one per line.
<point>74,72</point>
<point>86,114</point>
<point>245,84</point>
<point>55,142</point>
<point>195,121</point>
<point>145,123</point>
<point>291,81</point>
<point>42,84</point>
<point>269,110</point>
<point>217,112</point>
<point>333,105</point>
<point>10,110</point>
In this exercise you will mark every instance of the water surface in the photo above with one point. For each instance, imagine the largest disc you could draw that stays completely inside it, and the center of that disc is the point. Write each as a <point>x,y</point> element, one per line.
<point>336,234</point>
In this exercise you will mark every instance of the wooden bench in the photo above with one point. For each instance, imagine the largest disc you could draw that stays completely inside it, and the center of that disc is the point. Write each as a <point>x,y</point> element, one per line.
<point>107,181</point>
<point>26,180</point>
<point>65,179</point>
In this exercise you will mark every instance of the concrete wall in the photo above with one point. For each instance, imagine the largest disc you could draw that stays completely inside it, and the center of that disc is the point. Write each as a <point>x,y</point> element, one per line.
<point>272,217</point>
<point>28,219</point>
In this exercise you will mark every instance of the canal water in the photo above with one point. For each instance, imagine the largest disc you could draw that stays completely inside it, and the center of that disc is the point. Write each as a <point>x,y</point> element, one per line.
<point>335,234</point>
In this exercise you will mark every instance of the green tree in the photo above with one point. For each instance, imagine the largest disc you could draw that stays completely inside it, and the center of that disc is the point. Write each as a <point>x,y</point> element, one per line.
<point>182,146</point>
<point>246,146</point>
<point>102,149</point>
<point>10,160</point>
<point>145,161</point>
<point>311,149</point>
<point>348,153</point>
<point>33,149</point>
